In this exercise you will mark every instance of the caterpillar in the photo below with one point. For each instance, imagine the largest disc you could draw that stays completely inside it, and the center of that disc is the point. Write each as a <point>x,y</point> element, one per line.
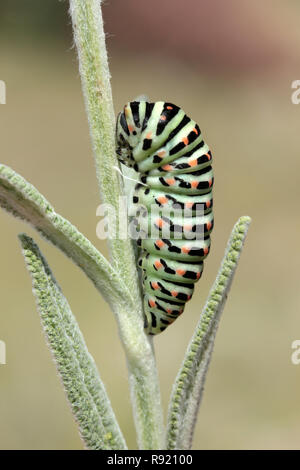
<point>161,143</point>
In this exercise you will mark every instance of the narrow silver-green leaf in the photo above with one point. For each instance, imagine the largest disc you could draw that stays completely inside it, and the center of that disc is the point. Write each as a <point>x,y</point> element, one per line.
<point>83,386</point>
<point>23,200</point>
<point>189,383</point>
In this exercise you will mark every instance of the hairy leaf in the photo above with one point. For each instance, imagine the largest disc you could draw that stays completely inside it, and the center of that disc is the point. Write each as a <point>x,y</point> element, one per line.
<point>189,383</point>
<point>24,201</point>
<point>76,367</point>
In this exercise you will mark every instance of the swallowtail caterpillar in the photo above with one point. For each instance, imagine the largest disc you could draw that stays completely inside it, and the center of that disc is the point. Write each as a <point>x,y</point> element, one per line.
<point>166,148</point>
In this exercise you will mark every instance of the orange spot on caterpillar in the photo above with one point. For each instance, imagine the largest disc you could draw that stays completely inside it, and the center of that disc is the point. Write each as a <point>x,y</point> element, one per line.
<point>185,140</point>
<point>185,249</point>
<point>167,167</point>
<point>169,310</point>
<point>162,199</point>
<point>194,184</point>
<point>161,154</point>
<point>188,227</point>
<point>130,128</point>
<point>189,297</point>
<point>198,275</point>
<point>169,107</point>
<point>159,223</point>
<point>170,181</point>
<point>152,303</point>
<point>174,293</point>
<point>154,285</point>
<point>193,162</point>
<point>180,272</point>
<point>163,118</point>
<point>208,204</point>
<point>208,156</point>
<point>205,250</point>
<point>159,243</point>
<point>149,135</point>
<point>208,225</point>
<point>189,205</point>
<point>195,130</point>
<point>210,183</point>
<point>157,264</point>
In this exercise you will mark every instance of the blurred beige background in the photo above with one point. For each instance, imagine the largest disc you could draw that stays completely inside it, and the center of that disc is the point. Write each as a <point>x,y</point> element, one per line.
<point>231,69</point>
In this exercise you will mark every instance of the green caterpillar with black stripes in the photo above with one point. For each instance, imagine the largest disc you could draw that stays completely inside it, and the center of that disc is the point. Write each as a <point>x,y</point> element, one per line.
<point>165,147</point>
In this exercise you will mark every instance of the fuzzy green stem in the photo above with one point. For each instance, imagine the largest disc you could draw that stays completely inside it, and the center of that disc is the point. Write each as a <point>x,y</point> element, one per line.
<point>93,66</point>
<point>94,71</point>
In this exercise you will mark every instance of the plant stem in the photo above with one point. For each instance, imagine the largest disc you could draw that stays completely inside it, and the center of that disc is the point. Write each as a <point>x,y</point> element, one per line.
<point>93,66</point>
<point>94,71</point>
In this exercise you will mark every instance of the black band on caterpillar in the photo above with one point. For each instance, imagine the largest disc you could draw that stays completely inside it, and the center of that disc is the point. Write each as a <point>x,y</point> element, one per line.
<point>166,148</point>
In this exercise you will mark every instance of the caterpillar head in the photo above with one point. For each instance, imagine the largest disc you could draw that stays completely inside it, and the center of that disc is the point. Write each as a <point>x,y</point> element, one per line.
<point>127,133</point>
